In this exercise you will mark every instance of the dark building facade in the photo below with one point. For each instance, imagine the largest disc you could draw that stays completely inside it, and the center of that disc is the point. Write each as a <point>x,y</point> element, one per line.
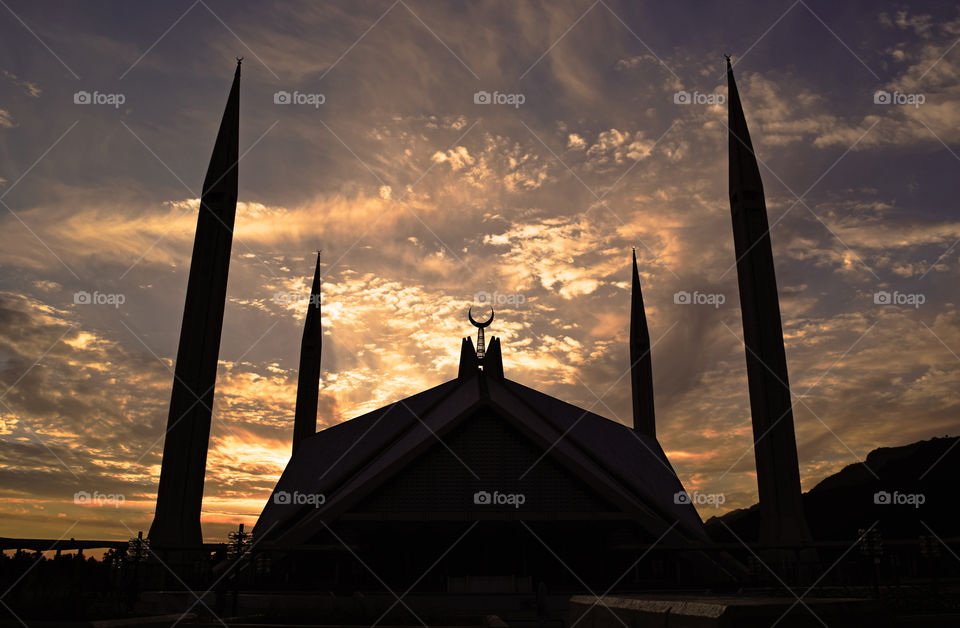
<point>501,486</point>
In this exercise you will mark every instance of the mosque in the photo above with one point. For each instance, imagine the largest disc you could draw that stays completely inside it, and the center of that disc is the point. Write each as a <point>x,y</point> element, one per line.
<point>481,484</point>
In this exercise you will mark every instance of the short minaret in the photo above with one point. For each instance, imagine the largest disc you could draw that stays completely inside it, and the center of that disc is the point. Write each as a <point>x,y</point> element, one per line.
<point>308,381</point>
<point>775,444</point>
<point>641,366</point>
<point>180,493</point>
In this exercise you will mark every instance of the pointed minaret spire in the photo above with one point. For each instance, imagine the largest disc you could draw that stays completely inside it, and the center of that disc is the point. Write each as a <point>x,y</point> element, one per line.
<point>641,366</point>
<point>180,493</point>
<point>775,444</point>
<point>308,380</point>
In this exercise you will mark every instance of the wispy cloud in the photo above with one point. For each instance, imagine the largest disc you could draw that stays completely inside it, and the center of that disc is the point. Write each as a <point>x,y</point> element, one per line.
<point>422,197</point>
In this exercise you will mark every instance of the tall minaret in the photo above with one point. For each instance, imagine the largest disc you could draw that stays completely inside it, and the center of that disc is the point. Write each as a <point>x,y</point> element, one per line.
<point>180,494</point>
<point>308,381</point>
<point>641,367</point>
<point>775,444</point>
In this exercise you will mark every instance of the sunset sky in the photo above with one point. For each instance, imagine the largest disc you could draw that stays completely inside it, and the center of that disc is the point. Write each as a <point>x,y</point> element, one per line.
<point>421,198</point>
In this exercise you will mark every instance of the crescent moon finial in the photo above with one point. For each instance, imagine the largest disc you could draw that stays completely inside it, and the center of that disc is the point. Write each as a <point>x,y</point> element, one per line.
<point>479,325</point>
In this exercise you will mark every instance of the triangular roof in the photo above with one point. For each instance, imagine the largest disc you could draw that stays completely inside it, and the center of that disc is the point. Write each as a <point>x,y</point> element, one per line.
<point>349,461</point>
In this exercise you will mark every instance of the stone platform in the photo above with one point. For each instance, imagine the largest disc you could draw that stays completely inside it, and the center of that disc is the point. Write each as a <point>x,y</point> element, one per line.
<point>741,611</point>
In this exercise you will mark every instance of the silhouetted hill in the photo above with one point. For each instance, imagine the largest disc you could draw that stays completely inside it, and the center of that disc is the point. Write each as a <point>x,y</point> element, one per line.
<point>920,480</point>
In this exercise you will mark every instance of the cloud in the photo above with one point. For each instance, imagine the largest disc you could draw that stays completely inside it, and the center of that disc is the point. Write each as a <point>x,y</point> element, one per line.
<point>575,142</point>
<point>421,199</point>
<point>616,147</point>
<point>30,89</point>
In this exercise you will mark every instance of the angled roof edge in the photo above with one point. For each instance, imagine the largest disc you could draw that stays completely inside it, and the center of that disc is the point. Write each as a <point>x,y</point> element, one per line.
<point>338,441</point>
<point>652,494</point>
<point>423,420</point>
<point>612,445</point>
